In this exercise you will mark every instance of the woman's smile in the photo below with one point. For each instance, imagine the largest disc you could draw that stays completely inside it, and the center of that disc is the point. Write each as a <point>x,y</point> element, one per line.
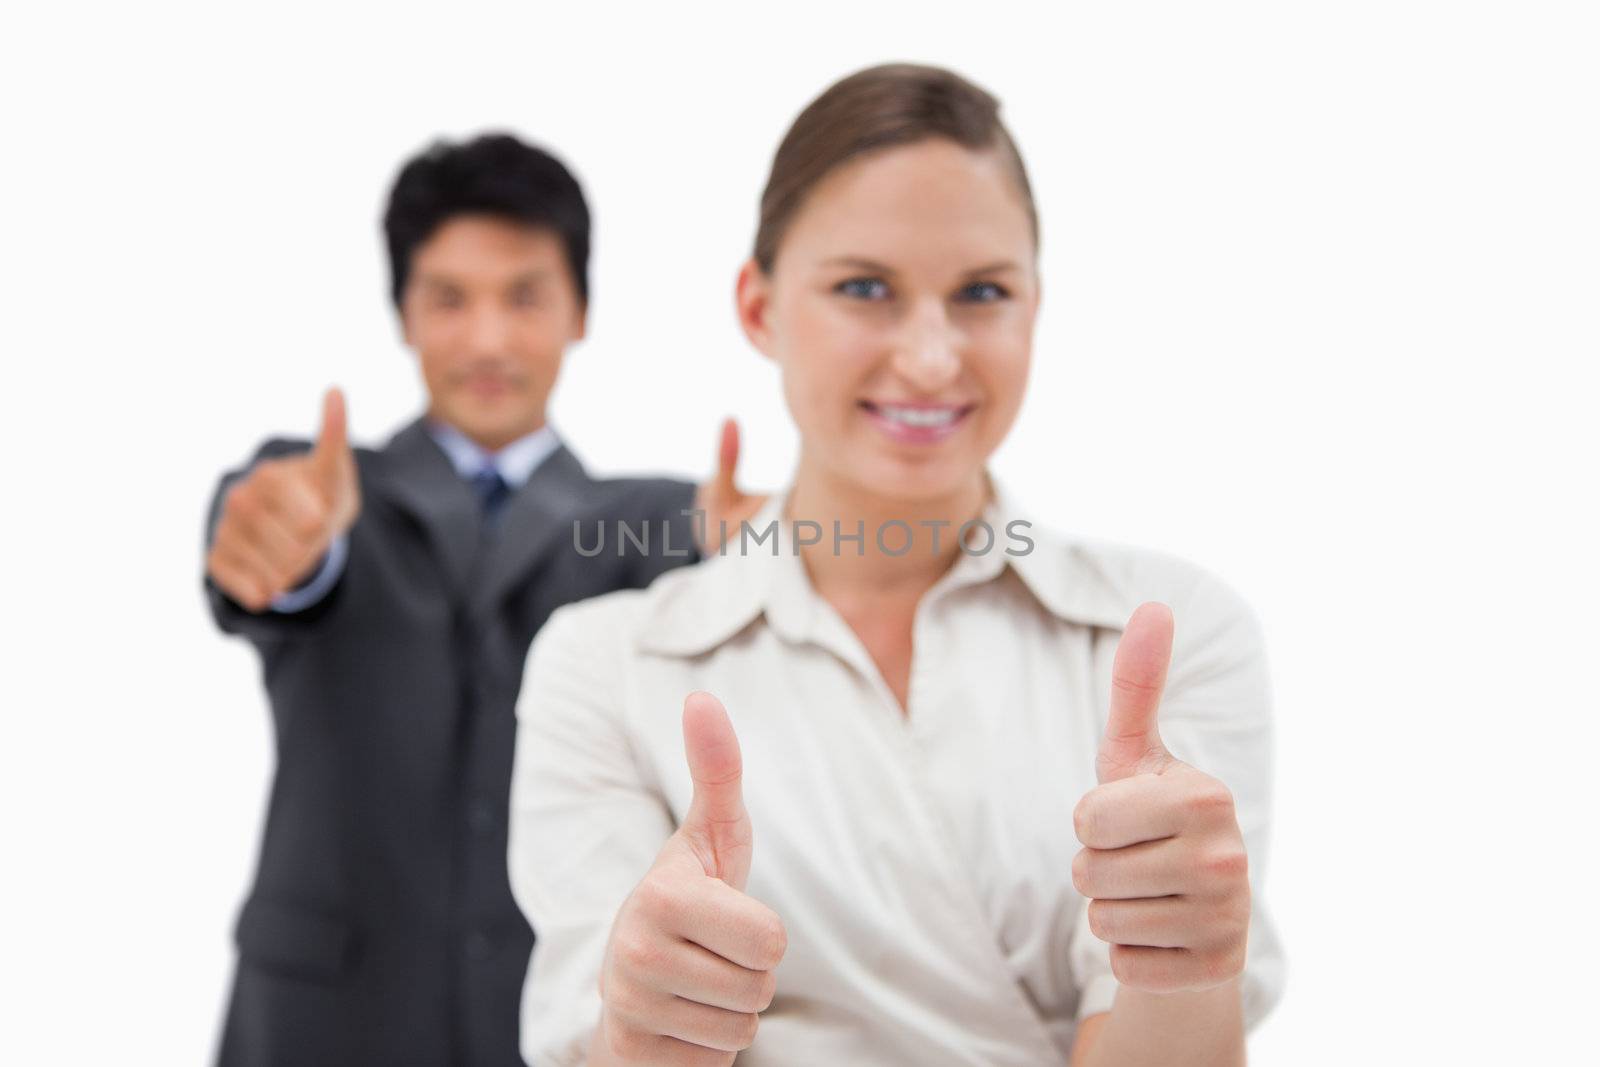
<point>918,424</point>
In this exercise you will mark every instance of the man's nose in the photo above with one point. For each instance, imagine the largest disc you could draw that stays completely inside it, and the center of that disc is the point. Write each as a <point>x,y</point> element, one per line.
<point>487,331</point>
<point>928,351</point>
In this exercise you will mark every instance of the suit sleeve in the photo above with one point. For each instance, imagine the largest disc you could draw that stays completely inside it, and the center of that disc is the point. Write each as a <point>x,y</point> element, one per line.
<point>670,503</point>
<point>584,824</point>
<point>232,617</point>
<point>1216,715</point>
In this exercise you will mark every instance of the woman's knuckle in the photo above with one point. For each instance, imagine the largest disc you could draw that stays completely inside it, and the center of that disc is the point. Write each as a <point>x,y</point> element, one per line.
<point>766,987</point>
<point>1085,820</point>
<point>1124,966</point>
<point>622,998</point>
<point>1211,800</point>
<point>627,1043</point>
<point>1220,965</point>
<point>771,942</point>
<point>1227,862</point>
<point>656,899</point>
<point>1236,916</point>
<point>1083,872</point>
<point>742,1028</point>
<point>1102,920</point>
<point>637,953</point>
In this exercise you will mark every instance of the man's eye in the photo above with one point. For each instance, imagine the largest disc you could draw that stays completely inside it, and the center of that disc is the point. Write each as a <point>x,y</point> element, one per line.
<point>446,300</point>
<point>981,293</point>
<point>863,288</point>
<point>523,298</point>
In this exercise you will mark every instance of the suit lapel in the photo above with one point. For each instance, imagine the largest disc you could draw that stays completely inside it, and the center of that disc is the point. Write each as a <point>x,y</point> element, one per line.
<point>535,519</point>
<point>418,477</point>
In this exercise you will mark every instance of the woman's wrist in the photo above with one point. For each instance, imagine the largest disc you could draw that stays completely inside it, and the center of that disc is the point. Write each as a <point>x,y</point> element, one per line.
<point>1185,1029</point>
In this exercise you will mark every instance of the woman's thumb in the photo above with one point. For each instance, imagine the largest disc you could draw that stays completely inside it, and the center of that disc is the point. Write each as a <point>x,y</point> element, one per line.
<point>716,823</point>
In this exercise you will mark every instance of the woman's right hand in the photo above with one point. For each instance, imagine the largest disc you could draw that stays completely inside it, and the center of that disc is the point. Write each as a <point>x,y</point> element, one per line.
<point>691,959</point>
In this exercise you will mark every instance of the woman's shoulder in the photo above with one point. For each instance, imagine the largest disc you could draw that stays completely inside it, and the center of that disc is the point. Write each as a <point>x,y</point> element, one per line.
<point>685,606</point>
<point>1101,581</point>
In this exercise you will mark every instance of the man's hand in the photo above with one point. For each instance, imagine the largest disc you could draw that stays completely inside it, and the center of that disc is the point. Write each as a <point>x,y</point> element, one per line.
<point>280,518</point>
<point>1163,858</point>
<point>721,503</point>
<point>691,958</point>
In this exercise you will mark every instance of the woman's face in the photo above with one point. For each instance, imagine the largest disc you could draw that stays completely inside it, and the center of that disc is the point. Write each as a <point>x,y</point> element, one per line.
<point>900,310</point>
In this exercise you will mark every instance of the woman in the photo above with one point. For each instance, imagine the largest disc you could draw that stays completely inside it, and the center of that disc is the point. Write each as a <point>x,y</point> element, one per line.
<point>977,845</point>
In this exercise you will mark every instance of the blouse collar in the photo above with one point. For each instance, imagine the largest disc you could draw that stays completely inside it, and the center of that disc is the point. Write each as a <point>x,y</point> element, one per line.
<point>759,574</point>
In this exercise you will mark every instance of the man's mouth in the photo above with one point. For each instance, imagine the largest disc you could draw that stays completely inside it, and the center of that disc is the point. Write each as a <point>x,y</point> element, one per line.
<point>488,386</point>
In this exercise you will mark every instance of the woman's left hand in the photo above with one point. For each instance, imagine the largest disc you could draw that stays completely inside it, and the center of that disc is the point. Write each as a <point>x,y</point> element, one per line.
<point>1163,859</point>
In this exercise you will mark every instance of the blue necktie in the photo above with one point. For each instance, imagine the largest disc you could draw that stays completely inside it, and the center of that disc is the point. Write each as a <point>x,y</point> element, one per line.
<point>492,491</point>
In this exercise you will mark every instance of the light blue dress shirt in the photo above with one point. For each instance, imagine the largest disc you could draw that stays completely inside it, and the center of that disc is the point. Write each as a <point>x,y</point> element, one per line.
<point>515,462</point>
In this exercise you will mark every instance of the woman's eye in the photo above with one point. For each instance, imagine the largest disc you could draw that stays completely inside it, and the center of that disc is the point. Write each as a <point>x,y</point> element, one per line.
<point>863,288</point>
<point>981,293</point>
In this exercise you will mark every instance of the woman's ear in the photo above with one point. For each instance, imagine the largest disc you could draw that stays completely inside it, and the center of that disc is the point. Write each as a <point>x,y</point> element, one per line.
<point>752,299</point>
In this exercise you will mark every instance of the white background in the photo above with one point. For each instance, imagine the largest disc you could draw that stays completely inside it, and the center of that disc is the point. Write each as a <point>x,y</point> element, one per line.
<point>1321,314</point>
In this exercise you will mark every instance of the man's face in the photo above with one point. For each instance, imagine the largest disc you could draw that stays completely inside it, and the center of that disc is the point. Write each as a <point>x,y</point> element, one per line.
<point>490,307</point>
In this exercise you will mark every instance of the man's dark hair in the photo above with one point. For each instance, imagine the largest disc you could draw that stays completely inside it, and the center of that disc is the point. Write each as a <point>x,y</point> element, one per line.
<point>493,174</point>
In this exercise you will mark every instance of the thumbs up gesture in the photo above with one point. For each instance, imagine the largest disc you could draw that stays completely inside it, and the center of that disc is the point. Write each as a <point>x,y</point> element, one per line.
<point>720,500</point>
<point>690,960</point>
<point>278,520</point>
<point>1163,859</point>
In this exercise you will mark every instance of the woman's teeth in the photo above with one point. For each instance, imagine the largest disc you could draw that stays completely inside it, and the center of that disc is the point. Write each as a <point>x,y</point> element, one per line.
<point>919,416</point>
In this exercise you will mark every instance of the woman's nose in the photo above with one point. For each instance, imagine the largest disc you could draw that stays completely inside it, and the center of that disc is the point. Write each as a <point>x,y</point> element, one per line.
<point>928,352</point>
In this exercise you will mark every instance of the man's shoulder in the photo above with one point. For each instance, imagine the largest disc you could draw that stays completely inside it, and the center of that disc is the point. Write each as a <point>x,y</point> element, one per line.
<point>278,447</point>
<point>635,496</point>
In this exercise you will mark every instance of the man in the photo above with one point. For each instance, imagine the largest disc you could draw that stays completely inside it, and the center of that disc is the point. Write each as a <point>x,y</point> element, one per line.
<point>393,595</point>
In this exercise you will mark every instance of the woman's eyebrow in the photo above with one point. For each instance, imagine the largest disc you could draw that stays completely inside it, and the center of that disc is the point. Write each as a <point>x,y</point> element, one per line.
<point>860,263</point>
<point>992,268</point>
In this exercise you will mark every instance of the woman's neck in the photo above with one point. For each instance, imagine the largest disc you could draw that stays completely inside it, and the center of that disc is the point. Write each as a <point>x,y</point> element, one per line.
<point>851,570</point>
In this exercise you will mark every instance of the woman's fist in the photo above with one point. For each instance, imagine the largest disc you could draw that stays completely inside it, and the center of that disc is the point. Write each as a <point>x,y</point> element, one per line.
<point>1163,859</point>
<point>691,959</point>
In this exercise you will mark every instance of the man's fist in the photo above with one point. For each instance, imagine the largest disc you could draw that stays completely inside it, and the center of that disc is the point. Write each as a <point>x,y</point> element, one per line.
<point>279,519</point>
<point>720,501</point>
<point>1163,859</point>
<point>691,958</point>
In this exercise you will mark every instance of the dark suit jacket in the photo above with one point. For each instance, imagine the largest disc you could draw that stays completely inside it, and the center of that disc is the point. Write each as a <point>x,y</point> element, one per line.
<point>381,927</point>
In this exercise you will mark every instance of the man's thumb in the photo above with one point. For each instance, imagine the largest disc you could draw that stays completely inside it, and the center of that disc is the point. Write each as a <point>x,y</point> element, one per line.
<point>716,824</point>
<point>333,443</point>
<point>727,459</point>
<point>1138,675</point>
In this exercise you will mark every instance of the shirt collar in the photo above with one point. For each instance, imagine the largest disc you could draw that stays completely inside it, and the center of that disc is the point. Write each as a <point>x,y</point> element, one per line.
<point>723,595</point>
<point>516,462</point>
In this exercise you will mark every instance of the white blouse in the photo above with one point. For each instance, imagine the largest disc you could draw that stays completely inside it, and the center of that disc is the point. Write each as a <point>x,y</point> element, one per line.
<point>920,860</point>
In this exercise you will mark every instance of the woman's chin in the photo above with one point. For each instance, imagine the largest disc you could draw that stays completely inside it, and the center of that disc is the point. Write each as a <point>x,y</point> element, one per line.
<point>928,480</point>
